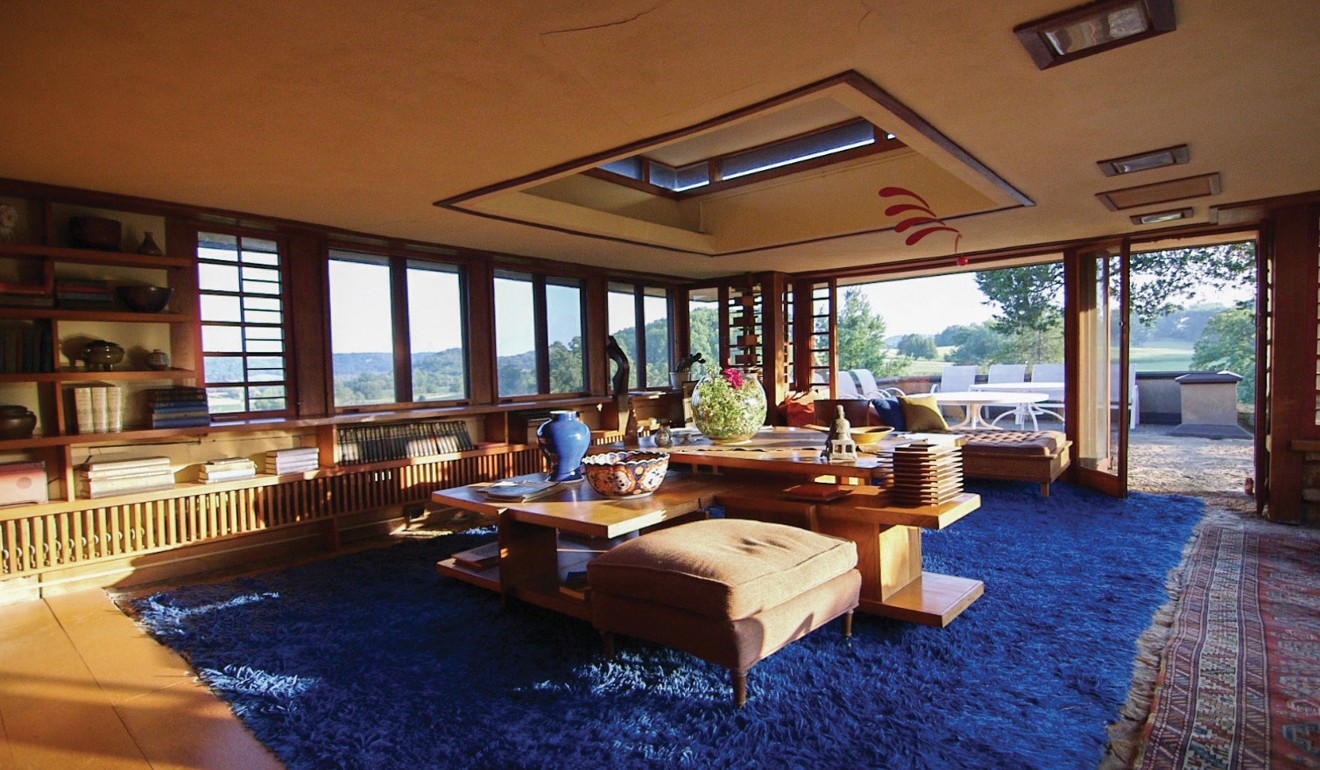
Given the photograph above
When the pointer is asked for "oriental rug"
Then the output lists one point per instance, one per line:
(372, 660)
(1239, 683)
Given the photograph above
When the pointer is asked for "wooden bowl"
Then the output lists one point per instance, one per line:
(145, 299)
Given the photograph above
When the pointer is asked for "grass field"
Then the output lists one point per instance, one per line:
(1156, 355)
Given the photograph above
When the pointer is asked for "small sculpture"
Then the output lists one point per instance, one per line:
(101, 356)
(842, 447)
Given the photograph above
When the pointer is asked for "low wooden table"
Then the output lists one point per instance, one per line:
(532, 556)
(750, 483)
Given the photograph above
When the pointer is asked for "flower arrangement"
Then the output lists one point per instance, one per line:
(728, 407)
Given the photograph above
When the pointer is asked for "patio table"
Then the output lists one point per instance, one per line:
(1053, 391)
(973, 400)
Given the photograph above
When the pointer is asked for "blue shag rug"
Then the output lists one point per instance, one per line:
(373, 660)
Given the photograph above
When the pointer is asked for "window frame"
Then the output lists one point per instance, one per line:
(639, 295)
(399, 263)
(289, 382)
(541, 331)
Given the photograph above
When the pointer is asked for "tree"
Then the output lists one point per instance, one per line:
(918, 346)
(1229, 343)
(953, 335)
(861, 338)
(981, 345)
(1030, 299)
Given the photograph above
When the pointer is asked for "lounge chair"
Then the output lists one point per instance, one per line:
(844, 387)
(1053, 403)
(956, 378)
(1007, 373)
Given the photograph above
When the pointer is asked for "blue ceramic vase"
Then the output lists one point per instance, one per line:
(564, 440)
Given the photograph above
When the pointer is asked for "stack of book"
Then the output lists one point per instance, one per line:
(119, 477)
(26, 299)
(282, 461)
(26, 347)
(178, 407)
(84, 294)
(227, 469)
(478, 559)
(98, 407)
(926, 474)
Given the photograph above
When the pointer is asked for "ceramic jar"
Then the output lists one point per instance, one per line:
(728, 407)
(158, 360)
(564, 439)
(16, 422)
(101, 356)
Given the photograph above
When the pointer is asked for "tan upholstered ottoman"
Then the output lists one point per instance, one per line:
(729, 591)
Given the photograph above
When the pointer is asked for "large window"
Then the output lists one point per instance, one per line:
(375, 302)
(639, 322)
(241, 301)
(538, 335)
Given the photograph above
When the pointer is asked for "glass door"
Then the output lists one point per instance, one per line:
(1100, 369)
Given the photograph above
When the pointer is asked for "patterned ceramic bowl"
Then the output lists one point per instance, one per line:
(626, 474)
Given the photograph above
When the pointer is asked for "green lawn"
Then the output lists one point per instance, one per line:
(1156, 355)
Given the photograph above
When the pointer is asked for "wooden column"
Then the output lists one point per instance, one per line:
(1293, 355)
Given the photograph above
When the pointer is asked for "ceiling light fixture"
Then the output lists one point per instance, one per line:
(1160, 192)
(1093, 28)
(1144, 161)
(1160, 217)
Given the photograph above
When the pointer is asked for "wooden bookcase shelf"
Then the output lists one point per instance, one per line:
(82, 375)
(108, 316)
(90, 256)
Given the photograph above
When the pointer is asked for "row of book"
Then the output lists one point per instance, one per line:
(98, 407)
(84, 294)
(298, 460)
(100, 478)
(26, 348)
(226, 469)
(358, 444)
(178, 407)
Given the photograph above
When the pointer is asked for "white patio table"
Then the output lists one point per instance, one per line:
(973, 400)
(1052, 391)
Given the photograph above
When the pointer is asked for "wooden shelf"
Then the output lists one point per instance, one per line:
(113, 316)
(82, 375)
(92, 257)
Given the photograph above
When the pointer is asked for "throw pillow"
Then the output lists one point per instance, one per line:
(922, 414)
(890, 411)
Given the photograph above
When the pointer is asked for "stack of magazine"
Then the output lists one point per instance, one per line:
(227, 469)
(118, 477)
(297, 460)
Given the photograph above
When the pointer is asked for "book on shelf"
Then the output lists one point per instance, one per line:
(480, 558)
(519, 490)
(98, 408)
(126, 463)
(118, 486)
(223, 463)
(233, 474)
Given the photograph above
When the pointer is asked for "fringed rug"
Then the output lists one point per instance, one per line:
(1240, 680)
(373, 660)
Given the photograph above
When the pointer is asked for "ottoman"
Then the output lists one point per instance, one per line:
(729, 591)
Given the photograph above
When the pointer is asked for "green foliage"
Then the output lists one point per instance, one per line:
(918, 346)
(1229, 343)
(1030, 299)
(952, 335)
(861, 338)
(1160, 276)
(704, 335)
(981, 345)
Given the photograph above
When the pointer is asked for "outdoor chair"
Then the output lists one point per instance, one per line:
(869, 389)
(1053, 403)
(955, 379)
(1007, 373)
(844, 387)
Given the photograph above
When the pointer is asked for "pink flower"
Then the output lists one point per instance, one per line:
(734, 377)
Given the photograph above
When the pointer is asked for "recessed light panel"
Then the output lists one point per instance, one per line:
(1092, 28)
(1161, 217)
(1144, 161)
(1160, 192)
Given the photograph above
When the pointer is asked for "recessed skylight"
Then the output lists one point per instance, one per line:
(1160, 192)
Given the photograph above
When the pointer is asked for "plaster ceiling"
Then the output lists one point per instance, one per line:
(361, 115)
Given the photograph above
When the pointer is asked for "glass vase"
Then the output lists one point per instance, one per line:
(728, 407)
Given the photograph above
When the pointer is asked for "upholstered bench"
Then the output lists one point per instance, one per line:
(1039, 456)
(731, 592)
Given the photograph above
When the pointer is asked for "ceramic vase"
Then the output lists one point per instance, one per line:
(16, 422)
(564, 440)
(149, 246)
(728, 407)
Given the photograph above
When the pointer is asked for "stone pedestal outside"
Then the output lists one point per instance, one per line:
(1209, 405)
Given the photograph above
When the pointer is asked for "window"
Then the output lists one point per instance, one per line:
(368, 317)
(538, 335)
(241, 299)
(704, 326)
(639, 322)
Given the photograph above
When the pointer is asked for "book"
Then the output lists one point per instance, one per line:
(114, 409)
(479, 558)
(82, 405)
(122, 463)
(229, 462)
(520, 490)
(211, 477)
